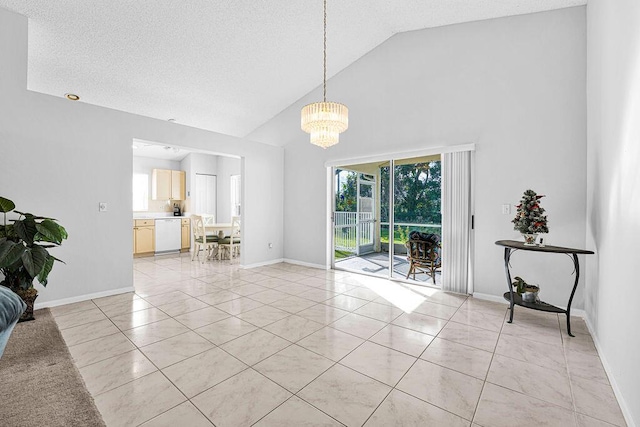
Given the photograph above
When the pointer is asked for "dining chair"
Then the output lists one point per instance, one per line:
(231, 244)
(201, 240)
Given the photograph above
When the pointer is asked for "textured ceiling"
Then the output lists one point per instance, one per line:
(156, 151)
(225, 66)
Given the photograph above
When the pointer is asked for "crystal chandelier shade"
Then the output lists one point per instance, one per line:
(325, 121)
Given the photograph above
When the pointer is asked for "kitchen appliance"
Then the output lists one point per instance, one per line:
(168, 235)
(176, 210)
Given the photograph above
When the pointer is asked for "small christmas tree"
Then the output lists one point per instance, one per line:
(530, 217)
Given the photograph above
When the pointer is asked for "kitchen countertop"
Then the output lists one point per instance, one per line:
(156, 215)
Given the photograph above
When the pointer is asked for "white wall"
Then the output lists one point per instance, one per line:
(514, 86)
(227, 166)
(60, 158)
(613, 208)
(148, 164)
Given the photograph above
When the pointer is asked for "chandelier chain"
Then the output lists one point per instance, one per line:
(324, 121)
(324, 78)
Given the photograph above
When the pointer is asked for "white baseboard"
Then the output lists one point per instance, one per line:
(306, 264)
(262, 264)
(624, 406)
(80, 298)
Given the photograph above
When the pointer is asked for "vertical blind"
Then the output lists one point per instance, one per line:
(456, 221)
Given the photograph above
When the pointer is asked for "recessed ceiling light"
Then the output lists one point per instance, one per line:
(72, 96)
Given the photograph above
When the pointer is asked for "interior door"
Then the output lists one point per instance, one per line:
(205, 194)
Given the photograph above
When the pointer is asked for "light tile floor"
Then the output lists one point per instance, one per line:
(285, 345)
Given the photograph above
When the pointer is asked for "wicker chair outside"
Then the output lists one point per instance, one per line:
(424, 257)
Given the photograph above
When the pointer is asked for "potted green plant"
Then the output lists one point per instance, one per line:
(530, 218)
(23, 252)
(529, 292)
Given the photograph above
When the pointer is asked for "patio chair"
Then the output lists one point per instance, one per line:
(423, 254)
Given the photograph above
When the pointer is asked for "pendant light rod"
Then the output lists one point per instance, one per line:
(324, 121)
(324, 77)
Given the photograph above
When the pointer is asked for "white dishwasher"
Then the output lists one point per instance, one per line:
(168, 235)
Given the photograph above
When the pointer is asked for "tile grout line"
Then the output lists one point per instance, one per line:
(291, 343)
(484, 383)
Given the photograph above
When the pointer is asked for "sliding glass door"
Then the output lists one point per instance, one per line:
(376, 206)
(417, 201)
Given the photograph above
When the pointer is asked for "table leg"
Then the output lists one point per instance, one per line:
(507, 255)
(576, 266)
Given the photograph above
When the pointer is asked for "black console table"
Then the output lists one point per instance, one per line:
(514, 298)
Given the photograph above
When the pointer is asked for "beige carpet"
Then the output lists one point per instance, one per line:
(39, 384)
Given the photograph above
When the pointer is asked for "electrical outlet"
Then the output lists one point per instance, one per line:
(506, 209)
(102, 207)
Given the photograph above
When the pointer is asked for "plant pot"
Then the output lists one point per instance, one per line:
(29, 297)
(530, 239)
(530, 294)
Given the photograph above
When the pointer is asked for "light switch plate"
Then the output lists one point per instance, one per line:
(102, 207)
(506, 209)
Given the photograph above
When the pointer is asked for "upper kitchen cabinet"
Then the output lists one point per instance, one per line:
(168, 184)
(161, 184)
(178, 184)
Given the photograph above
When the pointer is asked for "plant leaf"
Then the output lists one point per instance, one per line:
(10, 252)
(57, 259)
(44, 273)
(50, 231)
(34, 259)
(26, 229)
(6, 205)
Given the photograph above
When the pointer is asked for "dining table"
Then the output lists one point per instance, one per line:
(225, 227)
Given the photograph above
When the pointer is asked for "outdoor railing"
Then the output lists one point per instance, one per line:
(346, 232)
(413, 225)
(344, 218)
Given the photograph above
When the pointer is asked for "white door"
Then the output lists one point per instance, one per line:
(366, 213)
(205, 202)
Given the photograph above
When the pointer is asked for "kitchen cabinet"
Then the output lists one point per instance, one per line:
(178, 184)
(168, 185)
(144, 236)
(186, 234)
(161, 184)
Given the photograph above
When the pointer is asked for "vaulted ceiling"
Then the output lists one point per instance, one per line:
(225, 66)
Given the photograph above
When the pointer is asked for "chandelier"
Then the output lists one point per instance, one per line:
(325, 121)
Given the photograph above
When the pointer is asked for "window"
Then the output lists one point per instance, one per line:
(236, 192)
(140, 192)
